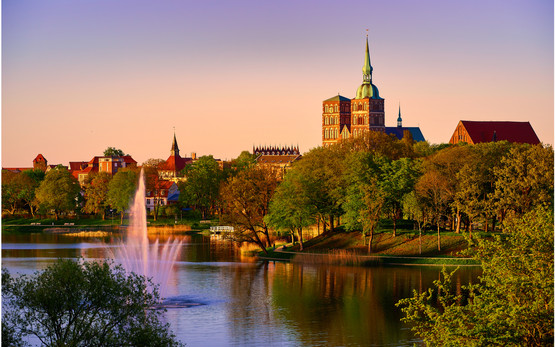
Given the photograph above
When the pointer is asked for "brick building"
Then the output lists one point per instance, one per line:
(490, 131)
(344, 118)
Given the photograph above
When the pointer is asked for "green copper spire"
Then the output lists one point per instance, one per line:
(367, 89)
(367, 68)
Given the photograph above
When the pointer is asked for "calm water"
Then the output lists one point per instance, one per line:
(248, 303)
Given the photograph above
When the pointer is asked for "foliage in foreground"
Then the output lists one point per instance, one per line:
(513, 303)
(82, 304)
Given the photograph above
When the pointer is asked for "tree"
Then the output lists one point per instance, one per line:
(433, 191)
(290, 208)
(246, 198)
(121, 190)
(113, 152)
(58, 191)
(418, 211)
(365, 198)
(524, 178)
(513, 303)
(10, 192)
(83, 304)
(96, 193)
(202, 188)
(30, 181)
(321, 178)
(398, 178)
(244, 161)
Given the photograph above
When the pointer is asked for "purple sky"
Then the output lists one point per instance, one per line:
(79, 76)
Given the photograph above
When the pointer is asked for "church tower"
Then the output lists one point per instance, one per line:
(367, 107)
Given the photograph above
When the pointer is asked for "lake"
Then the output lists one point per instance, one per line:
(243, 302)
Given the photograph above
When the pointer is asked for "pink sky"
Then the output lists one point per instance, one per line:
(80, 76)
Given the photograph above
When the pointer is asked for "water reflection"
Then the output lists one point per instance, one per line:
(262, 303)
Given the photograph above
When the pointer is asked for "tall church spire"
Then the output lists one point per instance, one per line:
(367, 89)
(175, 148)
(367, 67)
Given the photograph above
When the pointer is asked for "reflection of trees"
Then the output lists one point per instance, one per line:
(250, 308)
(347, 305)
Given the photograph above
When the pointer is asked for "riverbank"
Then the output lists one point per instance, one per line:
(349, 248)
(48, 225)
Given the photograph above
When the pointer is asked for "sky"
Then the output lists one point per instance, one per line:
(81, 76)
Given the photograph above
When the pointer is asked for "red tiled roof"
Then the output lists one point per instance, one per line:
(520, 132)
(39, 157)
(175, 163)
(128, 160)
(77, 165)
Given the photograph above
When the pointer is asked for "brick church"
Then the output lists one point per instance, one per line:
(344, 118)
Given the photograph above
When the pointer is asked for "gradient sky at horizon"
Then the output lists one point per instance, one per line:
(80, 76)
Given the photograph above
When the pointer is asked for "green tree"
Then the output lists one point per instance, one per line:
(321, 172)
(121, 190)
(113, 152)
(432, 190)
(364, 199)
(398, 178)
(513, 303)
(417, 210)
(202, 188)
(10, 192)
(246, 199)
(31, 180)
(96, 194)
(59, 191)
(244, 161)
(476, 182)
(524, 178)
(83, 304)
(290, 208)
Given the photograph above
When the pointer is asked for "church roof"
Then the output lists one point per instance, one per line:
(399, 132)
(520, 132)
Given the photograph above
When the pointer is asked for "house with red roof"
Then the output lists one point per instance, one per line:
(490, 131)
(171, 168)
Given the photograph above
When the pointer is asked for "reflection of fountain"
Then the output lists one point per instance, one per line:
(137, 255)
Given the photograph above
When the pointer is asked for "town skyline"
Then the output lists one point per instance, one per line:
(80, 77)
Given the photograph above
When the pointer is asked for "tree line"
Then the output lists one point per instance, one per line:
(359, 182)
(355, 184)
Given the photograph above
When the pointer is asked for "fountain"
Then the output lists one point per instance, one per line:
(136, 254)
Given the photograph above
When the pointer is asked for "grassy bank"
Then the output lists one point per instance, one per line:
(350, 248)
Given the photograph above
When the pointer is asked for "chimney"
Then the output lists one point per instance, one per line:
(194, 155)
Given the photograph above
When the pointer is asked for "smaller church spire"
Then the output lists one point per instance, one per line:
(175, 147)
(399, 119)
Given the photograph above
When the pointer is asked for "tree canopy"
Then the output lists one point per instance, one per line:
(121, 190)
(513, 303)
(82, 304)
(113, 152)
(58, 191)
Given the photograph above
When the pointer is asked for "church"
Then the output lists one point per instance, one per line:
(344, 118)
